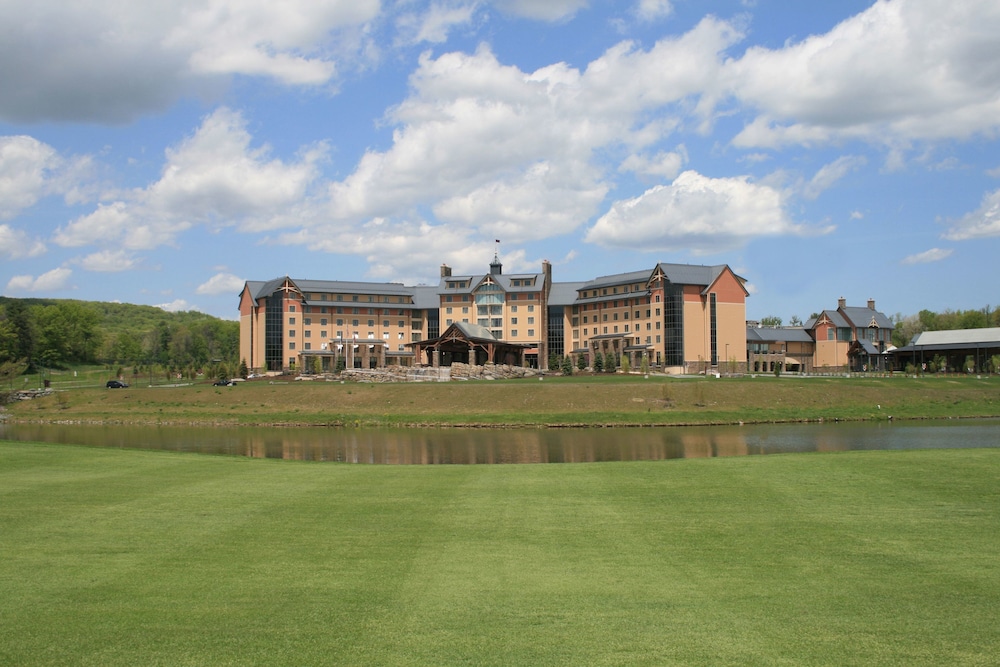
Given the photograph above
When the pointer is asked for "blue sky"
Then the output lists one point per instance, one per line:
(163, 152)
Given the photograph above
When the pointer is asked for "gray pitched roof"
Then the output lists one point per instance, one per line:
(778, 335)
(564, 294)
(262, 289)
(864, 317)
(958, 337)
(474, 330)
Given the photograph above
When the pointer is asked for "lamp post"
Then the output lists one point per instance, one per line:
(729, 369)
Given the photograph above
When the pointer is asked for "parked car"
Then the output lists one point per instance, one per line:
(115, 384)
(223, 383)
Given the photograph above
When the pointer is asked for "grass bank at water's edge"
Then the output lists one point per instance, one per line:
(573, 401)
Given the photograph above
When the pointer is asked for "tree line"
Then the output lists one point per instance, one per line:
(58, 333)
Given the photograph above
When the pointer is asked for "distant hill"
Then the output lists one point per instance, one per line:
(61, 331)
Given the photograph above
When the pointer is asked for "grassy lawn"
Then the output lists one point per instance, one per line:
(114, 557)
(577, 400)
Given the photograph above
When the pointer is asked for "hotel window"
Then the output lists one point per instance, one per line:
(308, 346)
(513, 333)
(291, 309)
(340, 334)
(616, 328)
(385, 335)
(513, 309)
(371, 323)
(400, 335)
(447, 298)
(307, 321)
(308, 333)
(291, 320)
(604, 317)
(626, 328)
(585, 331)
(531, 333)
(531, 320)
(354, 323)
(354, 297)
(447, 310)
(605, 330)
(322, 334)
(291, 333)
(340, 323)
(400, 324)
(513, 320)
(371, 334)
(323, 322)
(465, 310)
(291, 346)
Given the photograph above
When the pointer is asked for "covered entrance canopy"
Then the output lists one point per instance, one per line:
(467, 343)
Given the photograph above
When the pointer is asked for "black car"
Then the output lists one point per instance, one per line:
(115, 384)
(224, 383)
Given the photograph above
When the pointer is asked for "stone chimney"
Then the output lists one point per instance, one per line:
(445, 271)
(841, 302)
(871, 304)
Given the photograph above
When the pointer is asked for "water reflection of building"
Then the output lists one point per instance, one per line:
(495, 446)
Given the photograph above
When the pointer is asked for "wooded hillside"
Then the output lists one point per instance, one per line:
(55, 333)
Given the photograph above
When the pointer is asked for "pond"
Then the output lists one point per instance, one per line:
(514, 445)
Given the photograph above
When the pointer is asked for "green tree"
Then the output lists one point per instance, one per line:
(567, 366)
(581, 362)
(770, 321)
(625, 365)
(598, 363)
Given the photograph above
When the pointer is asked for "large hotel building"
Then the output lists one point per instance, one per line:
(679, 318)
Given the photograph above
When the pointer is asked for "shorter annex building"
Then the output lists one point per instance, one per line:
(850, 338)
(956, 350)
(771, 349)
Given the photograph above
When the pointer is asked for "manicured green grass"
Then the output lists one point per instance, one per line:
(111, 557)
(577, 401)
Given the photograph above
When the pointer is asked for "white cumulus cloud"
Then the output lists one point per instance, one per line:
(221, 283)
(15, 243)
(50, 281)
(900, 71)
(109, 61)
(982, 223)
(698, 213)
(213, 178)
(928, 256)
